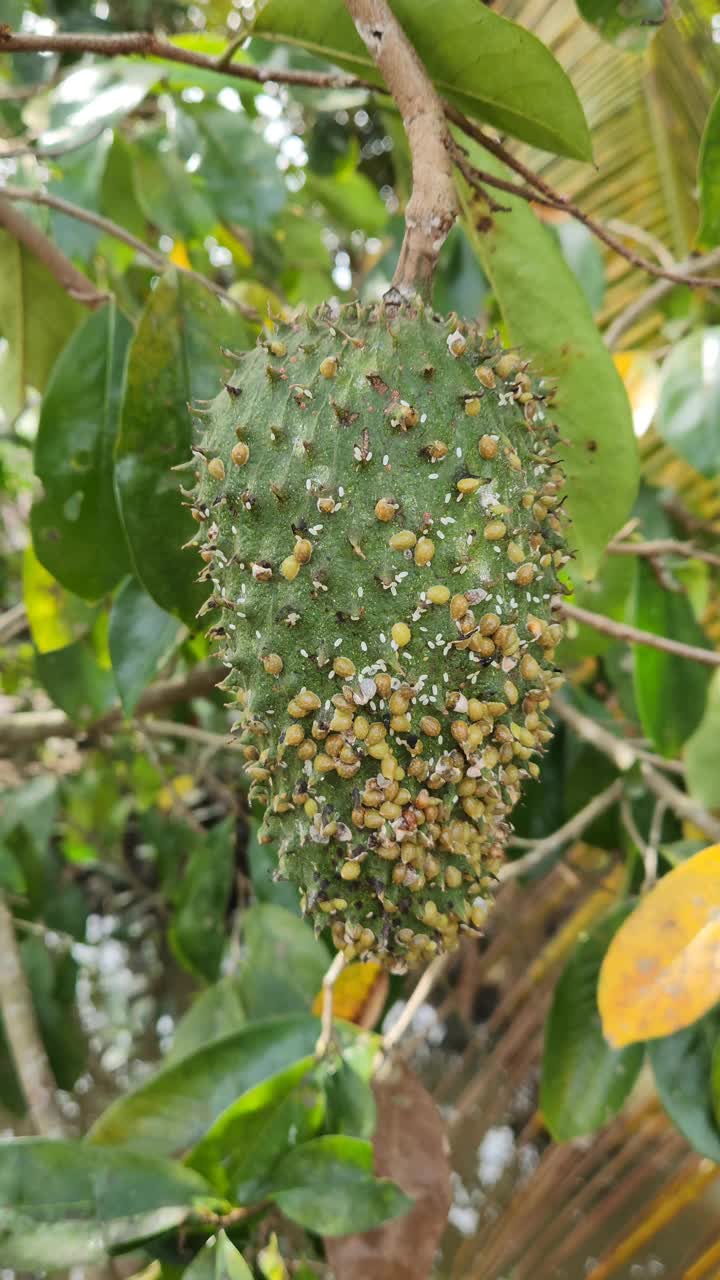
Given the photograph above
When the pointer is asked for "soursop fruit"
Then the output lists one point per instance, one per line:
(380, 520)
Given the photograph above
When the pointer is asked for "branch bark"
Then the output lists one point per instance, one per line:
(79, 288)
(633, 635)
(663, 547)
(433, 205)
(570, 830)
(23, 1036)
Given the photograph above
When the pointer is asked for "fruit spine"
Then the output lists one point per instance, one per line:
(380, 520)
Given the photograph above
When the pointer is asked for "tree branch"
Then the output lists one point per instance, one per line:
(647, 300)
(23, 1036)
(680, 803)
(79, 288)
(623, 753)
(663, 547)
(433, 205)
(632, 635)
(113, 229)
(570, 830)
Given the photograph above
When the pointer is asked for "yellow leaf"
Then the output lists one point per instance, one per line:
(181, 788)
(179, 256)
(662, 971)
(359, 993)
(641, 376)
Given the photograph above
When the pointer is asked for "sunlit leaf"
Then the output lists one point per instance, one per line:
(56, 616)
(709, 179)
(93, 96)
(218, 1260)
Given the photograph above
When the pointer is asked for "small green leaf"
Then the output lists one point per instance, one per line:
(174, 358)
(689, 399)
(631, 24)
(669, 691)
(76, 529)
(142, 636)
(486, 65)
(327, 1185)
(548, 317)
(196, 934)
(709, 179)
(218, 1260)
(65, 1203)
(284, 964)
(702, 752)
(683, 1068)
(173, 1109)
(93, 96)
(214, 1013)
(584, 1081)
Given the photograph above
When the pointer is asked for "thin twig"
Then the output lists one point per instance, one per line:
(156, 259)
(653, 845)
(656, 292)
(175, 729)
(75, 284)
(418, 996)
(569, 831)
(13, 623)
(623, 754)
(328, 991)
(633, 635)
(663, 547)
(23, 1035)
(680, 803)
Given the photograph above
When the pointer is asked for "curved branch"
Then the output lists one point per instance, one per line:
(75, 284)
(632, 635)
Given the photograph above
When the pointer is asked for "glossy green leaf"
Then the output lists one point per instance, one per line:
(172, 1110)
(76, 528)
(702, 752)
(548, 317)
(486, 65)
(689, 399)
(669, 691)
(584, 1081)
(683, 1068)
(218, 1260)
(174, 358)
(141, 638)
(196, 933)
(628, 23)
(284, 963)
(216, 1012)
(709, 179)
(37, 317)
(327, 1185)
(65, 1203)
(76, 681)
(92, 96)
(239, 169)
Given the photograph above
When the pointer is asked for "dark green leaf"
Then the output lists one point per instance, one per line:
(93, 96)
(628, 23)
(64, 1203)
(584, 1081)
(682, 1065)
(76, 529)
(486, 65)
(214, 1013)
(327, 1185)
(173, 1109)
(669, 691)
(218, 1260)
(141, 638)
(263, 861)
(197, 935)
(709, 179)
(702, 753)
(350, 1099)
(547, 315)
(689, 401)
(76, 681)
(174, 358)
(284, 963)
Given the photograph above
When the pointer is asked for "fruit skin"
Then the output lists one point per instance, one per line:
(391, 689)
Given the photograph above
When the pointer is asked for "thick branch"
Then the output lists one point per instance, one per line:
(632, 635)
(433, 207)
(23, 1036)
(72, 281)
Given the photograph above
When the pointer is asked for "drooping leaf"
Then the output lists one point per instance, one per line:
(669, 691)
(488, 66)
(548, 317)
(284, 962)
(327, 1185)
(214, 1013)
(141, 637)
(702, 753)
(628, 23)
(196, 933)
(689, 400)
(65, 1203)
(93, 96)
(173, 1109)
(584, 1080)
(174, 358)
(660, 972)
(76, 529)
(709, 179)
(683, 1068)
(218, 1260)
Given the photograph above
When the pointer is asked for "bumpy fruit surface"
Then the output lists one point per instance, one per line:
(379, 512)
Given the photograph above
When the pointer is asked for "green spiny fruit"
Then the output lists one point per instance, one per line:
(379, 515)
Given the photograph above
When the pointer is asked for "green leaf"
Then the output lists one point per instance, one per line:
(169, 196)
(56, 617)
(631, 24)
(584, 1081)
(702, 752)
(683, 1068)
(350, 199)
(548, 317)
(689, 399)
(172, 1110)
(284, 964)
(94, 96)
(327, 1185)
(582, 254)
(141, 638)
(36, 319)
(709, 179)
(607, 593)
(239, 169)
(350, 1099)
(262, 861)
(76, 681)
(218, 1260)
(174, 358)
(196, 934)
(76, 529)
(669, 691)
(214, 1013)
(80, 182)
(488, 66)
(65, 1203)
